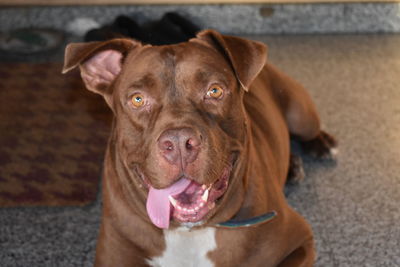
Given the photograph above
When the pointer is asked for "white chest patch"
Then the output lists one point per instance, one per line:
(187, 248)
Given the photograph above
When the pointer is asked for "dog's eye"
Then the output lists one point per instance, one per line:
(215, 92)
(137, 100)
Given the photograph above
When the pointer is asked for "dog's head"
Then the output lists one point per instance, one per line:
(180, 124)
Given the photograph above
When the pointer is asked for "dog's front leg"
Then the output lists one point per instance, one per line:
(303, 256)
(114, 250)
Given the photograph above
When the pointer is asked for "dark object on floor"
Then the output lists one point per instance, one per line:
(172, 28)
(53, 134)
(23, 43)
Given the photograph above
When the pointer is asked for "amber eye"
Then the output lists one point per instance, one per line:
(137, 100)
(215, 91)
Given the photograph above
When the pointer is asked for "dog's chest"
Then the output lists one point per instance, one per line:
(187, 248)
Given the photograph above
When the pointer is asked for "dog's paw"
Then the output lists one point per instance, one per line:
(296, 171)
(324, 146)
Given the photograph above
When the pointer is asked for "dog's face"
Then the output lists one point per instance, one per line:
(180, 124)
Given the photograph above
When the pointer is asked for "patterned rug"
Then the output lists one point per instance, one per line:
(53, 134)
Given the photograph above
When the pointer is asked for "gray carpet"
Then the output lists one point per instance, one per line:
(353, 205)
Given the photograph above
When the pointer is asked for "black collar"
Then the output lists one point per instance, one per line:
(254, 221)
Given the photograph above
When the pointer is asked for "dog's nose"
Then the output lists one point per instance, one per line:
(179, 146)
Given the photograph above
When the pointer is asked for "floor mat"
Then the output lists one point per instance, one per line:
(53, 135)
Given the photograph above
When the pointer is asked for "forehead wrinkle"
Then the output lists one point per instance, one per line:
(169, 58)
(146, 81)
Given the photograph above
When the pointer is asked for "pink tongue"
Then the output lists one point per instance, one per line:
(158, 206)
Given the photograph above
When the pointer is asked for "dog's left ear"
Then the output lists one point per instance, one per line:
(247, 57)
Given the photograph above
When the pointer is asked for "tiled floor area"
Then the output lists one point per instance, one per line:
(353, 204)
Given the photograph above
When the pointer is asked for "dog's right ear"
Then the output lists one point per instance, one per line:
(99, 62)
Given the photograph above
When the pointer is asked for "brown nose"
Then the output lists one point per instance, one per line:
(179, 146)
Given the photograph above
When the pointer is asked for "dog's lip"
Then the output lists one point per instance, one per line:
(147, 184)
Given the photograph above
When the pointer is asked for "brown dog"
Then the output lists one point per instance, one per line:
(200, 137)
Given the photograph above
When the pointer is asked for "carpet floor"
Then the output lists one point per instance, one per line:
(352, 205)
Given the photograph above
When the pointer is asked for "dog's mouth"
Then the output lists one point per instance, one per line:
(186, 201)
(197, 200)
